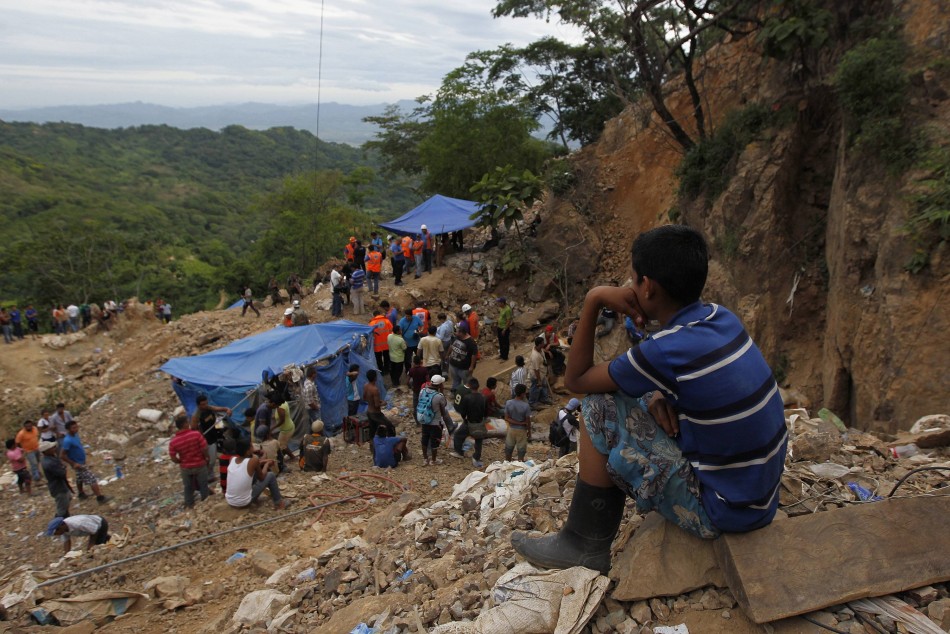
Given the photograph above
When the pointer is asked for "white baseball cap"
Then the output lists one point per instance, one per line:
(466, 308)
(424, 227)
(437, 379)
(289, 311)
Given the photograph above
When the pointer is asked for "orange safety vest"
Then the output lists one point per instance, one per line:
(288, 321)
(406, 247)
(424, 314)
(348, 251)
(417, 246)
(473, 324)
(374, 261)
(427, 236)
(383, 328)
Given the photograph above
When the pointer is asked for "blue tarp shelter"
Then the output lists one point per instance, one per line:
(440, 214)
(238, 304)
(230, 374)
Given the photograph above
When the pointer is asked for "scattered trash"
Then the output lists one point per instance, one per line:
(42, 617)
(98, 607)
(238, 556)
(863, 494)
(828, 416)
(405, 575)
(362, 628)
(671, 629)
(829, 470)
(307, 575)
(905, 451)
(151, 415)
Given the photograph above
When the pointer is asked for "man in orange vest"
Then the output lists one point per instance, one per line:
(349, 251)
(418, 245)
(374, 264)
(472, 318)
(406, 253)
(423, 313)
(428, 248)
(382, 329)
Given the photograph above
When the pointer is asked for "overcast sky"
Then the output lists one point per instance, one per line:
(205, 52)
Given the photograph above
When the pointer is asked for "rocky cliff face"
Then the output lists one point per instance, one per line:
(807, 238)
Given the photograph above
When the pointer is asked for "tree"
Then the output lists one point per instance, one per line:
(570, 85)
(505, 196)
(466, 130)
(664, 37)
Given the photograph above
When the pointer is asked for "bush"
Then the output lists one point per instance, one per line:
(708, 166)
(929, 223)
(872, 85)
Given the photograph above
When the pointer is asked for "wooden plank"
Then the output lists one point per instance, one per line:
(806, 563)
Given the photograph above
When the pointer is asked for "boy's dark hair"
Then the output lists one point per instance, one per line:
(241, 446)
(491, 383)
(180, 421)
(353, 368)
(381, 431)
(202, 398)
(397, 330)
(432, 330)
(60, 405)
(674, 256)
(473, 383)
(417, 360)
(72, 423)
(371, 376)
(11, 443)
(520, 389)
(384, 303)
(539, 341)
(250, 413)
(519, 361)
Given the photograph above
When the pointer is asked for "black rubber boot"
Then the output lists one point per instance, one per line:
(585, 540)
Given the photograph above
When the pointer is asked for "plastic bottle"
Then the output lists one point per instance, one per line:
(118, 472)
(905, 451)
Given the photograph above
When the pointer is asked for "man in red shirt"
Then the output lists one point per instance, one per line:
(189, 450)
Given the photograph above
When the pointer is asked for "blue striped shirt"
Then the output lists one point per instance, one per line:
(357, 279)
(732, 422)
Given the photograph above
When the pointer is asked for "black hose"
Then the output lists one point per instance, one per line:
(910, 473)
(823, 626)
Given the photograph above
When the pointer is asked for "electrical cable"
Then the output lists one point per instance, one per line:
(197, 540)
(912, 472)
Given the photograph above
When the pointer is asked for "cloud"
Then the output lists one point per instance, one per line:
(197, 52)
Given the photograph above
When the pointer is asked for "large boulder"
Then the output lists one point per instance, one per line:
(535, 316)
(662, 559)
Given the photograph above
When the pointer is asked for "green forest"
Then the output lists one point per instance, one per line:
(92, 214)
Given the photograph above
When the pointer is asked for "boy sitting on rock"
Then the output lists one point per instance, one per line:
(689, 423)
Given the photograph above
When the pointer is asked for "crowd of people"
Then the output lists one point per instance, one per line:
(16, 324)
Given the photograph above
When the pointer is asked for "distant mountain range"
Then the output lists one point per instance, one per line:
(340, 123)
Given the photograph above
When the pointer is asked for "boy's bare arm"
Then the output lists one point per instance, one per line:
(582, 376)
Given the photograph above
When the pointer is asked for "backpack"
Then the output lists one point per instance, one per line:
(556, 434)
(424, 413)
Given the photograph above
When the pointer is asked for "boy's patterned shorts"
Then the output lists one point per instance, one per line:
(85, 476)
(646, 463)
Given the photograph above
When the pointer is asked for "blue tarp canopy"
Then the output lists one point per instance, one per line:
(242, 362)
(440, 214)
(228, 375)
(238, 304)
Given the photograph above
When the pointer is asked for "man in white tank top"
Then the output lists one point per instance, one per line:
(248, 476)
